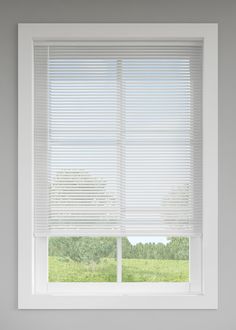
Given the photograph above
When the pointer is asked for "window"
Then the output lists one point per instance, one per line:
(117, 166)
(110, 259)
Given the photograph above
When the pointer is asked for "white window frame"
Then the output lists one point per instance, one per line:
(33, 290)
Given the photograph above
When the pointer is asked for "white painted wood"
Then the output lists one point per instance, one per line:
(119, 259)
(110, 289)
(25, 170)
(41, 266)
(210, 165)
(195, 264)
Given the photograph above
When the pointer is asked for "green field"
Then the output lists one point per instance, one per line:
(134, 270)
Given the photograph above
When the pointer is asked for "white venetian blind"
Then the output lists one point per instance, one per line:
(117, 138)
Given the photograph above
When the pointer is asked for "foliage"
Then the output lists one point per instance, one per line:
(78, 180)
(92, 249)
(151, 270)
(176, 249)
(61, 270)
(85, 192)
(134, 270)
(86, 249)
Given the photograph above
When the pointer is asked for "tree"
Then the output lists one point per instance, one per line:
(178, 248)
(127, 248)
(92, 249)
(180, 196)
(86, 193)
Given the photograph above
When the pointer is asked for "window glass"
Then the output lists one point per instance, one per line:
(94, 259)
(82, 259)
(155, 259)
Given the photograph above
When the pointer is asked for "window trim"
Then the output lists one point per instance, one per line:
(27, 299)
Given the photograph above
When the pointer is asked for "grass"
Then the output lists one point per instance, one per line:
(151, 270)
(134, 270)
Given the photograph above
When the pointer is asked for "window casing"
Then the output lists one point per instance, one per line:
(38, 244)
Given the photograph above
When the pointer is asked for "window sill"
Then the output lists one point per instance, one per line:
(121, 301)
(118, 296)
(119, 289)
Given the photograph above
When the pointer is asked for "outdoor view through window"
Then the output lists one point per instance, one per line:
(144, 259)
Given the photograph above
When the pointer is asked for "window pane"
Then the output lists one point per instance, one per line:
(155, 259)
(82, 259)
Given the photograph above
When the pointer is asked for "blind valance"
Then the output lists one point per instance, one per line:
(118, 138)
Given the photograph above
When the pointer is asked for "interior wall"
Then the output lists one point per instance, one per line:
(176, 11)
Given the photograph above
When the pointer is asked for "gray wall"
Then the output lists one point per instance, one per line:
(15, 11)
